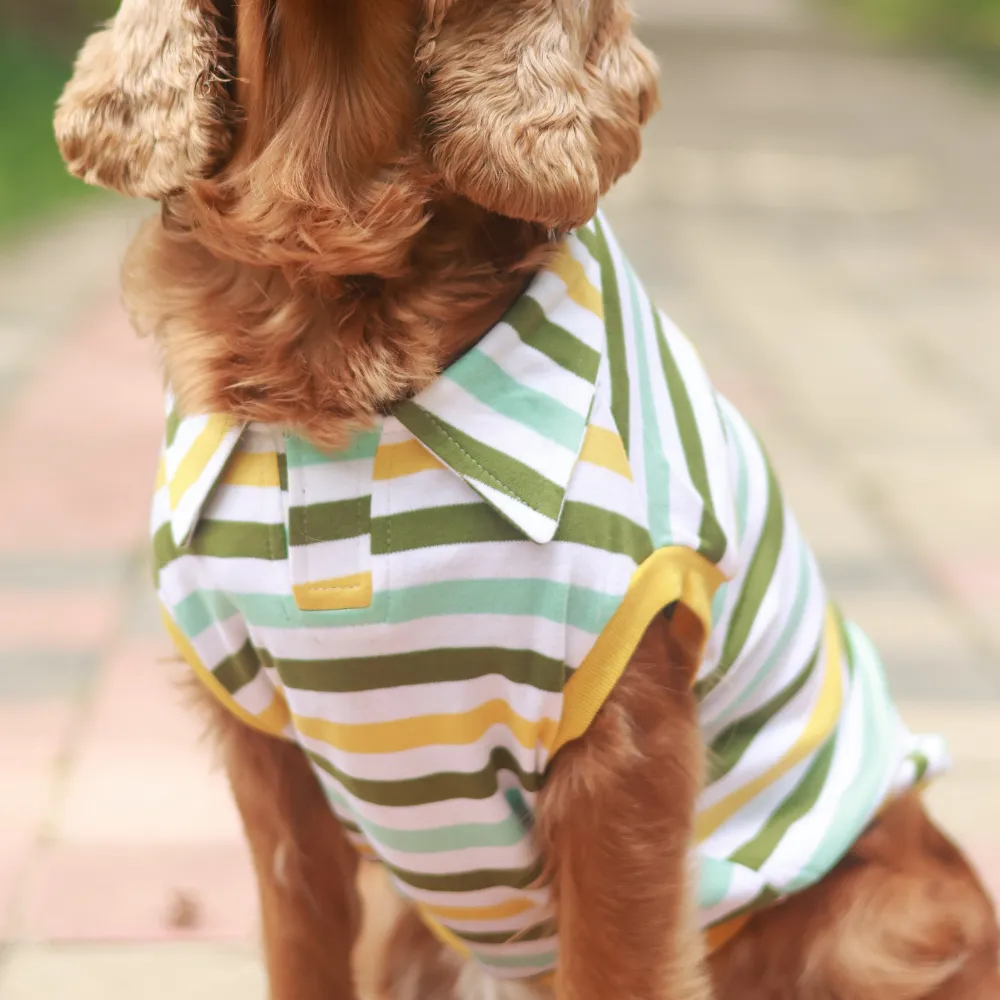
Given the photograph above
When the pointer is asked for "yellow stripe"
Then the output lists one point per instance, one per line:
(161, 475)
(247, 468)
(334, 595)
(271, 721)
(581, 291)
(398, 735)
(393, 461)
(197, 457)
(819, 727)
(604, 448)
(500, 911)
(668, 575)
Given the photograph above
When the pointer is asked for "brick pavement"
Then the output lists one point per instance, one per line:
(807, 210)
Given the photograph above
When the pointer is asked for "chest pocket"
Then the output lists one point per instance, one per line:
(329, 523)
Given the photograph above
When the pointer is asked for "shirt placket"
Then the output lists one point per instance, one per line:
(329, 524)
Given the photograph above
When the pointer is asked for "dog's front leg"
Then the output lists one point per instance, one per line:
(306, 868)
(615, 820)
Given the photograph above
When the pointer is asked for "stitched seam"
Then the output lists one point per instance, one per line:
(503, 489)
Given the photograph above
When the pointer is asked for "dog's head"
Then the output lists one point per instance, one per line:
(291, 118)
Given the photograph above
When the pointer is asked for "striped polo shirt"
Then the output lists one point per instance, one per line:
(434, 611)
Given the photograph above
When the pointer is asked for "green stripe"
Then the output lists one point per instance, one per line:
(473, 881)
(596, 242)
(754, 853)
(472, 523)
(519, 666)
(713, 540)
(531, 324)
(758, 579)
(730, 745)
(173, 422)
(481, 377)
(458, 524)
(239, 540)
(301, 453)
(238, 670)
(920, 764)
(584, 524)
(283, 471)
(540, 932)
(438, 787)
(329, 522)
(164, 549)
(473, 459)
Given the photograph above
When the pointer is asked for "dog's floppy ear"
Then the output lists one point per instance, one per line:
(534, 107)
(146, 112)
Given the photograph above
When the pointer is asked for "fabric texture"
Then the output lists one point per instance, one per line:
(432, 613)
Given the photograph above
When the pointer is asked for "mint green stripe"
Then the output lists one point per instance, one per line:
(712, 539)
(535, 329)
(482, 463)
(482, 377)
(544, 961)
(203, 608)
(657, 473)
(580, 607)
(714, 879)
(301, 453)
(861, 799)
(507, 833)
(595, 240)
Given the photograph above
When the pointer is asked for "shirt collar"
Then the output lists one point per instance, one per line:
(509, 416)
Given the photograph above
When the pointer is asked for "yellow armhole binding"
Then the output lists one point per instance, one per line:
(668, 575)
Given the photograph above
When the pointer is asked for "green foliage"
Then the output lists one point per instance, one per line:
(38, 41)
(969, 27)
(33, 179)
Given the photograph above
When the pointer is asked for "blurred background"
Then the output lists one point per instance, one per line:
(818, 207)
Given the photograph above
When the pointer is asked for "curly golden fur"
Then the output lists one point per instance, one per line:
(353, 192)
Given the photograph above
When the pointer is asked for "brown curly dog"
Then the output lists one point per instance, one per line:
(353, 192)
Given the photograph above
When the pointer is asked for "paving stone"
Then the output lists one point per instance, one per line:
(148, 893)
(166, 972)
(57, 620)
(32, 673)
(143, 771)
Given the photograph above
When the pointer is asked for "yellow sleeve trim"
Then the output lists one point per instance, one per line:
(271, 721)
(668, 575)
